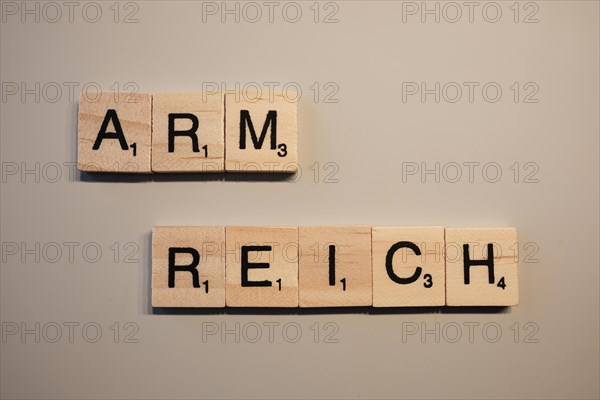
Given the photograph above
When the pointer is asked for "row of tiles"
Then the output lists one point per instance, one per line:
(187, 132)
(333, 266)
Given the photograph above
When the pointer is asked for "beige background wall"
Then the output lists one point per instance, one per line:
(356, 155)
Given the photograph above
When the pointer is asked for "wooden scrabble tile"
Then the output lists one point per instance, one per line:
(408, 266)
(481, 267)
(114, 133)
(335, 266)
(188, 266)
(261, 135)
(262, 267)
(188, 132)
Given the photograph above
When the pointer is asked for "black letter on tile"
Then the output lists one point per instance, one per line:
(271, 121)
(118, 134)
(191, 133)
(331, 265)
(390, 268)
(247, 265)
(190, 268)
(489, 262)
